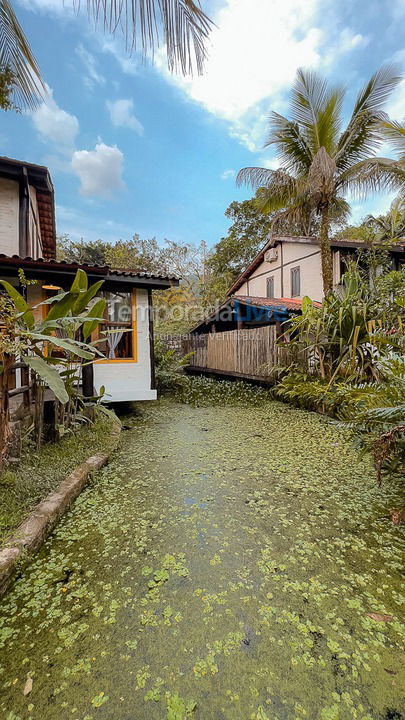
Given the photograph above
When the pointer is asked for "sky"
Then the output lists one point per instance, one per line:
(134, 149)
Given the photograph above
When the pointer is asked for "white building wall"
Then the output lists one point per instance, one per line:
(305, 256)
(9, 217)
(128, 381)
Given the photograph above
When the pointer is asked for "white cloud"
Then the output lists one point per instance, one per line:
(227, 174)
(99, 170)
(348, 40)
(253, 56)
(121, 114)
(127, 63)
(55, 6)
(254, 52)
(55, 125)
(93, 76)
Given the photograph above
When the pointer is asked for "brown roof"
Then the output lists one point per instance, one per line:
(277, 239)
(40, 267)
(288, 303)
(38, 176)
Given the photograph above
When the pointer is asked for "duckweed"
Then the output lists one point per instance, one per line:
(230, 574)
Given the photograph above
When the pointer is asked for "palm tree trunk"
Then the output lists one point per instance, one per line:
(326, 252)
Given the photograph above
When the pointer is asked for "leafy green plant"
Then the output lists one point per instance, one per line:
(169, 366)
(345, 336)
(71, 316)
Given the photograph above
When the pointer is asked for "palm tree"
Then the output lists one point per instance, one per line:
(182, 25)
(320, 163)
(391, 226)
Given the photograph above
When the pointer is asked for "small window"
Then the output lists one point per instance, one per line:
(118, 320)
(295, 282)
(270, 287)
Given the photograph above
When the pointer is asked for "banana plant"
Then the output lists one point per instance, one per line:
(72, 315)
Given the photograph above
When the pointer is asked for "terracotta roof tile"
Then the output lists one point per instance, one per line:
(288, 303)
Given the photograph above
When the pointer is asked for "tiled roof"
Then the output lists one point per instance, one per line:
(288, 303)
(61, 265)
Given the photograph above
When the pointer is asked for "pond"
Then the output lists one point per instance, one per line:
(229, 563)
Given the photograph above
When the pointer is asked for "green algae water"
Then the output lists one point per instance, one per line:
(223, 566)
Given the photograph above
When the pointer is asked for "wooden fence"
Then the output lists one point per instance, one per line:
(245, 353)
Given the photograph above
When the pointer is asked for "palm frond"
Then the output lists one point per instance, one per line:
(291, 146)
(298, 213)
(376, 92)
(275, 188)
(362, 136)
(183, 24)
(372, 175)
(317, 108)
(394, 132)
(17, 57)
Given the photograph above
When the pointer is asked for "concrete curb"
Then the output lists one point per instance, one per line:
(30, 535)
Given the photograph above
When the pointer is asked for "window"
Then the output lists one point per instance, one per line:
(270, 287)
(295, 282)
(120, 342)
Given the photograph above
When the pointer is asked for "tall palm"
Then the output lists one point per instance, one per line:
(320, 162)
(180, 24)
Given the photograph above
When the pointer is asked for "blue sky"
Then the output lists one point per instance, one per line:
(133, 149)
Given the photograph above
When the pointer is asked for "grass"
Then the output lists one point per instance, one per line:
(40, 472)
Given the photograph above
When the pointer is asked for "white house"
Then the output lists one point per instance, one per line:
(28, 241)
(290, 268)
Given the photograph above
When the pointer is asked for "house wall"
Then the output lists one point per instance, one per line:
(306, 256)
(126, 380)
(9, 216)
(10, 220)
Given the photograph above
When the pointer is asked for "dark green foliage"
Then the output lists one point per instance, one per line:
(7, 81)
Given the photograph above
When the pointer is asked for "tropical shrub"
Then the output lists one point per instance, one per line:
(72, 315)
(169, 366)
(346, 335)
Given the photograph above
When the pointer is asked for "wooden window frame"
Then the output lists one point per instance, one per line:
(134, 358)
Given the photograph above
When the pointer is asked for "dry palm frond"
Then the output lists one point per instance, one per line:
(17, 57)
(182, 23)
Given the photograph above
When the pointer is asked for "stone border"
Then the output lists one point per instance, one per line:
(30, 535)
